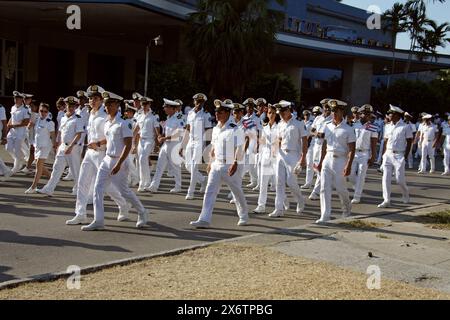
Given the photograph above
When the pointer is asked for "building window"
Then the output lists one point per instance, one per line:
(11, 67)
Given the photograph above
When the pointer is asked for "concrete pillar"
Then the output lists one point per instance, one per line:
(357, 82)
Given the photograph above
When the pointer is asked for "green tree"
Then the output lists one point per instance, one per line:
(273, 87)
(230, 41)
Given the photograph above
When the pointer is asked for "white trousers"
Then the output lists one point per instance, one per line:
(268, 170)
(15, 149)
(317, 154)
(393, 162)
(251, 166)
(359, 172)
(194, 154)
(168, 155)
(218, 175)
(380, 151)
(86, 180)
(73, 160)
(427, 151)
(446, 158)
(144, 151)
(118, 181)
(332, 176)
(309, 166)
(285, 166)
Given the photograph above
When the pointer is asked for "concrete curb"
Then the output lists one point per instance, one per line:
(97, 267)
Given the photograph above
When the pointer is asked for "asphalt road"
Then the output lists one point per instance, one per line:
(35, 240)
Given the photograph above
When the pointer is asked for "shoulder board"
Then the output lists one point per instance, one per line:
(78, 116)
(327, 122)
(48, 120)
(180, 116)
(232, 125)
(130, 126)
(29, 113)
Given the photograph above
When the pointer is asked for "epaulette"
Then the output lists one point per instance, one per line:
(48, 120)
(134, 120)
(78, 116)
(180, 116)
(232, 125)
(327, 122)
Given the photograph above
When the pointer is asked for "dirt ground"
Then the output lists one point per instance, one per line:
(225, 271)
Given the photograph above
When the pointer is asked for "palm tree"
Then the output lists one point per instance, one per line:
(395, 23)
(231, 40)
(434, 38)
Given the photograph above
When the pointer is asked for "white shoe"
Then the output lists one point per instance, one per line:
(420, 172)
(243, 222)
(384, 204)
(276, 214)
(322, 220)
(256, 188)
(356, 201)
(300, 207)
(431, 171)
(405, 199)
(94, 226)
(74, 192)
(445, 173)
(305, 186)
(199, 224)
(25, 170)
(44, 191)
(190, 197)
(152, 189)
(140, 189)
(30, 190)
(204, 184)
(251, 185)
(124, 214)
(77, 220)
(260, 209)
(175, 190)
(230, 195)
(232, 201)
(286, 204)
(314, 196)
(142, 219)
(69, 177)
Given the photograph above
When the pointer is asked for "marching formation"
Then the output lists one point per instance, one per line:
(107, 150)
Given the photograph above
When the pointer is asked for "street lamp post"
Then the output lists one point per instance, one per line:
(158, 42)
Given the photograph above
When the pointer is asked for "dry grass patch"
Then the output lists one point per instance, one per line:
(362, 224)
(436, 220)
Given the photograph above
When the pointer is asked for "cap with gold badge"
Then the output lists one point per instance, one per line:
(367, 108)
(335, 104)
(71, 100)
(261, 101)
(94, 90)
(200, 96)
(394, 109)
(170, 103)
(249, 101)
(111, 97)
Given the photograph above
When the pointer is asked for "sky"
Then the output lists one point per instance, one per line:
(436, 11)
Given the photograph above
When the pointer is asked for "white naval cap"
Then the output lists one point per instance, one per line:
(137, 96)
(334, 103)
(27, 95)
(170, 103)
(367, 108)
(284, 104)
(179, 102)
(145, 99)
(71, 100)
(94, 90)
(238, 106)
(18, 94)
(223, 104)
(394, 109)
(200, 96)
(248, 101)
(427, 116)
(407, 115)
(228, 101)
(81, 93)
(260, 101)
(129, 105)
(109, 96)
(324, 101)
(317, 109)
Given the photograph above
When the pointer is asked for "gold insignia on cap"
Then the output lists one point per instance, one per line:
(105, 95)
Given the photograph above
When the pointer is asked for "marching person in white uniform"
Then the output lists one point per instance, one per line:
(293, 146)
(252, 125)
(169, 152)
(198, 121)
(408, 121)
(44, 142)
(309, 120)
(17, 125)
(4, 170)
(445, 139)
(68, 152)
(398, 141)
(366, 150)
(338, 152)
(113, 169)
(428, 141)
(318, 123)
(95, 153)
(268, 151)
(226, 165)
(146, 131)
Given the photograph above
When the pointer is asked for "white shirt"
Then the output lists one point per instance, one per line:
(291, 134)
(59, 117)
(255, 119)
(18, 114)
(116, 131)
(428, 132)
(43, 128)
(364, 135)
(198, 122)
(69, 127)
(174, 125)
(147, 124)
(338, 137)
(270, 138)
(96, 126)
(397, 136)
(2, 117)
(84, 114)
(225, 140)
(446, 133)
(318, 123)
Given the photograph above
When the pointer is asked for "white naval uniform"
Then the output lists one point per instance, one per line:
(446, 146)
(69, 128)
(338, 137)
(290, 136)
(169, 153)
(310, 155)
(198, 123)
(90, 165)
(363, 152)
(84, 115)
(251, 131)
(42, 140)
(428, 134)
(394, 158)
(147, 124)
(268, 159)
(318, 124)
(16, 136)
(115, 131)
(34, 116)
(3, 167)
(419, 144)
(224, 141)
